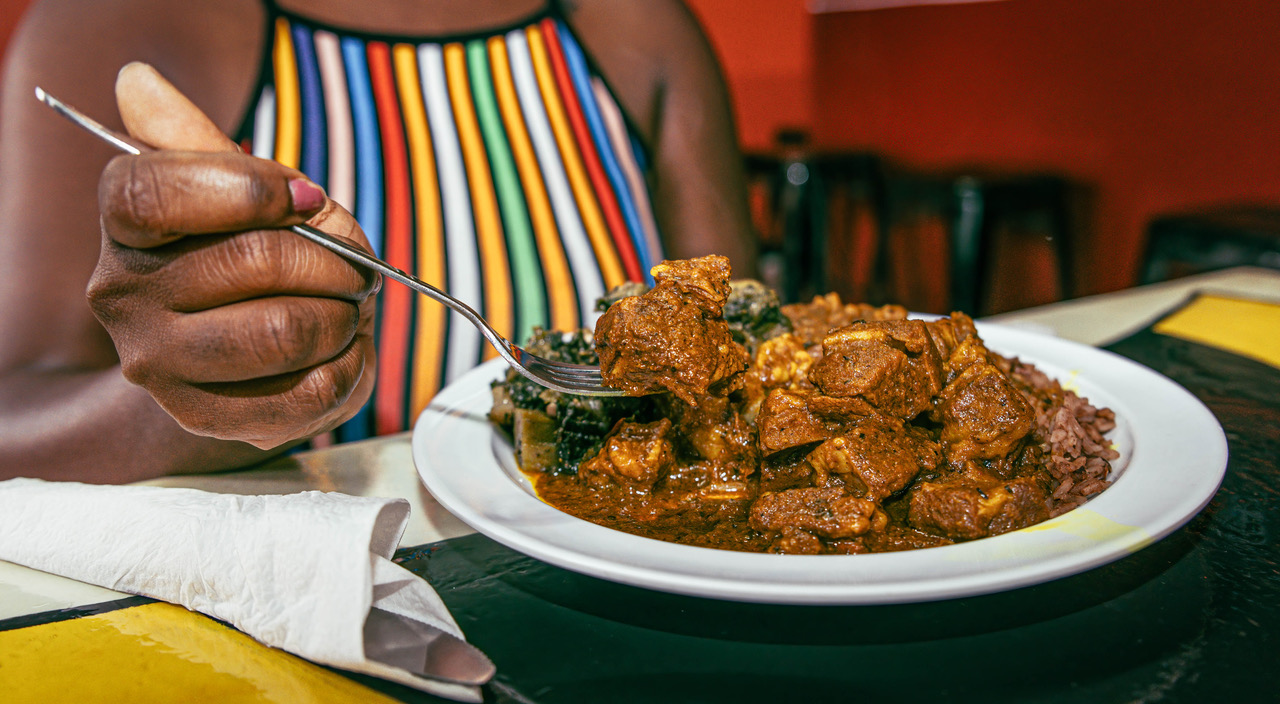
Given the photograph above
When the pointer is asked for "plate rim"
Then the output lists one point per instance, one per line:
(1077, 541)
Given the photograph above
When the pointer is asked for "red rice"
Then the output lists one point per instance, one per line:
(1069, 433)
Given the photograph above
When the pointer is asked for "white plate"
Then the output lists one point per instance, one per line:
(1173, 456)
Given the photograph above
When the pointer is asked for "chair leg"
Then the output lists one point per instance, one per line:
(968, 225)
(1060, 233)
(818, 236)
(880, 287)
(1156, 258)
(791, 208)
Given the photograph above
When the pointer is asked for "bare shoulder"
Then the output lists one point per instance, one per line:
(209, 48)
(643, 15)
(657, 32)
(643, 47)
(48, 206)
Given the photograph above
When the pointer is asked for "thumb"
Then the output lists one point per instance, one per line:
(160, 115)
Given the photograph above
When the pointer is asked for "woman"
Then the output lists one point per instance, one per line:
(212, 339)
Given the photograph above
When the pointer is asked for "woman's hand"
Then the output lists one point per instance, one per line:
(239, 329)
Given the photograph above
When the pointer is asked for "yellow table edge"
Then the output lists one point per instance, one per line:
(158, 652)
(1249, 328)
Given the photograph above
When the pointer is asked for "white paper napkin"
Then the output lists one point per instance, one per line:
(308, 573)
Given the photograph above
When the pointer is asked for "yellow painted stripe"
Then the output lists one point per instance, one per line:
(428, 350)
(601, 242)
(555, 266)
(288, 102)
(159, 653)
(495, 268)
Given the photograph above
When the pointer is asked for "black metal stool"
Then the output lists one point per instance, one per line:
(799, 186)
(973, 205)
(1214, 238)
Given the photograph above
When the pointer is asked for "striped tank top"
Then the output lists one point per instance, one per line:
(498, 167)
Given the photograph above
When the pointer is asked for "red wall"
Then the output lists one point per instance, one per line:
(765, 48)
(1154, 104)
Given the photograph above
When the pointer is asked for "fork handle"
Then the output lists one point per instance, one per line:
(340, 247)
(349, 251)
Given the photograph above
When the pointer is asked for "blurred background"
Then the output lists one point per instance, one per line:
(1143, 112)
(993, 155)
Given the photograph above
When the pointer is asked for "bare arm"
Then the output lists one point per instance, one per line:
(247, 359)
(67, 410)
(655, 56)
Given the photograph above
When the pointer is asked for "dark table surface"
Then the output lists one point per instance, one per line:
(1192, 618)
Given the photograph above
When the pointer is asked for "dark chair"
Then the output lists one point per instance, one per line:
(764, 186)
(793, 191)
(1214, 238)
(974, 204)
(848, 193)
(803, 199)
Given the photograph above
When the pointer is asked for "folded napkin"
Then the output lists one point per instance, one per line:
(308, 573)
(1245, 327)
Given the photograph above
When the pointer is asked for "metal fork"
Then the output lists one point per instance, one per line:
(580, 379)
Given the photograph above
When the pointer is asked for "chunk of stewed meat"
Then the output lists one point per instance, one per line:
(875, 459)
(842, 410)
(826, 512)
(784, 470)
(948, 333)
(673, 338)
(634, 455)
(983, 415)
(713, 430)
(971, 351)
(962, 508)
(781, 362)
(785, 421)
(796, 541)
(813, 320)
(893, 365)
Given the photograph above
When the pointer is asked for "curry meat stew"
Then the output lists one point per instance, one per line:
(813, 428)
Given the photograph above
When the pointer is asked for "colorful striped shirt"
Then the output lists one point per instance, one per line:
(499, 168)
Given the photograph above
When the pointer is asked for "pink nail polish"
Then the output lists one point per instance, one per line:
(306, 195)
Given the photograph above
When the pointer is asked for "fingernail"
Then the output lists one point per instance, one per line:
(306, 195)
